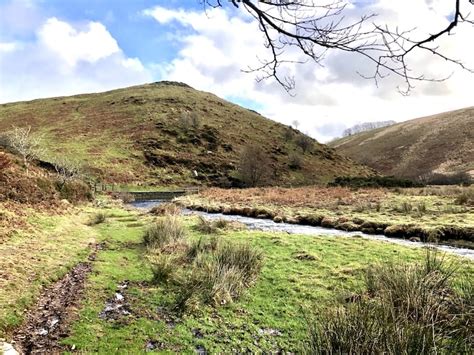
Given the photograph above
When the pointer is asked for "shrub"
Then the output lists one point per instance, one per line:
(406, 309)
(97, 218)
(165, 230)
(373, 181)
(294, 161)
(304, 142)
(254, 166)
(5, 162)
(74, 191)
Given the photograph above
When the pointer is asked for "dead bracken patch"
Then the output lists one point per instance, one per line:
(48, 321)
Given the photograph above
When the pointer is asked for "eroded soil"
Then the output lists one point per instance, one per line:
(47, 323)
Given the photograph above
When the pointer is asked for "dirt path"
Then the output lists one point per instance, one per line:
(49, 320)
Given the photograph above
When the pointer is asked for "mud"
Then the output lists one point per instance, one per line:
(47, 323)
(117, 306)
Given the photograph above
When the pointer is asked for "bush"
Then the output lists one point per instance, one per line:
(254, 168)
(5, 162)
(74, 191)
(165, 230)
(406, 309)
(304, 142)
(373, 181)
(97, 218)
(295, 161)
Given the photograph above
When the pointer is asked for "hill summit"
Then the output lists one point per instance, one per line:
(170, 133)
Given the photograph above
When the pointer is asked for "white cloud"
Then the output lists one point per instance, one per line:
(216, 45)
(66, 59)
(91, 44)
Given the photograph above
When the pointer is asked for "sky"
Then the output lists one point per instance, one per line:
(54, 48)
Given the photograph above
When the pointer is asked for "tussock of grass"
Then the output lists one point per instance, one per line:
(219, 276)
(165, 230)
(407, 308)
(164, 209)
(207, 226)
(97, 218)
(203, 271)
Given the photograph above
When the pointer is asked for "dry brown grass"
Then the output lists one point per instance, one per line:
(313, 197)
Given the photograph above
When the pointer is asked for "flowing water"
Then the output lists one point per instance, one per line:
(269, 225)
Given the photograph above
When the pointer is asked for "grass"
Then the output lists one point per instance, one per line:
(164, 230)
(270, 316)
(426, 208)
(35, 256)
(298, 273)
(405, 308)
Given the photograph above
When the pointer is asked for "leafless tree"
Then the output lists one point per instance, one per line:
(315, 27)
(254, 166)
(66, 170)
(305, 142)
(23, 142)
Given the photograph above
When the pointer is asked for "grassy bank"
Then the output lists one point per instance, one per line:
(433, 213)
(299, 274)
(127, 308)
(39, 250)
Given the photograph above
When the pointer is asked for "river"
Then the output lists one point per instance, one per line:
(269, 225)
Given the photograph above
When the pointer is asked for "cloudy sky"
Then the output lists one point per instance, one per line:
(56, 47)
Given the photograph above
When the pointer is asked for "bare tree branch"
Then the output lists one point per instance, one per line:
(315, 27)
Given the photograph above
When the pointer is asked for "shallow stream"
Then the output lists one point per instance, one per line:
(269, 225)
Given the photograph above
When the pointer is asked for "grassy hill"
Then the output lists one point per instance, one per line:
(442, 143)
(169, 133)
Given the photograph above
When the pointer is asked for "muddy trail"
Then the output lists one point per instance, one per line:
(47, 323)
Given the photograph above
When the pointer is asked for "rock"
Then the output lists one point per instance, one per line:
(7, 349)
(415, 239)
(327, 222)
(278, 219)
(347, 227)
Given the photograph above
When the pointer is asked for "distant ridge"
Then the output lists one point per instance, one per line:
(442, 143)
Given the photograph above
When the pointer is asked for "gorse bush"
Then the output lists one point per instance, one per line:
(165, 230)
(406, 309)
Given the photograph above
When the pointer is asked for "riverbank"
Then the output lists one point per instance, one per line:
(122, 307)
(444, 215)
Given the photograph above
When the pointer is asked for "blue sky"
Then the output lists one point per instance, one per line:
(64, 47)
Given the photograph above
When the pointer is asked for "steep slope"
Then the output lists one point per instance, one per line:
(442, 143)
(169, 133)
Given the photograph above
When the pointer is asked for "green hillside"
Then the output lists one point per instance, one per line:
(169, 133)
